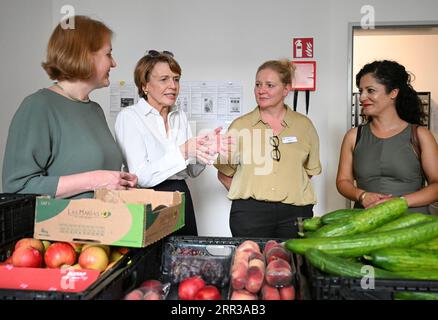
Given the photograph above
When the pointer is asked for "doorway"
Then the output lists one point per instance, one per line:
(414, 45)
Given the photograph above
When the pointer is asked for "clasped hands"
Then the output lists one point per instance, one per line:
(372, 199)
(206, 147)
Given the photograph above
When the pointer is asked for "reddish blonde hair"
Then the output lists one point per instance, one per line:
(69, 51)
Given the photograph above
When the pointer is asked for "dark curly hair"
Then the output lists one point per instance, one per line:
(394, 76)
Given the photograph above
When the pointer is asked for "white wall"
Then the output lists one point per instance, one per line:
(228, 40)
(25, 26)
(418, 53)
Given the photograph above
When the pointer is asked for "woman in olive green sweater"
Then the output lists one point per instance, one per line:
(59, 143)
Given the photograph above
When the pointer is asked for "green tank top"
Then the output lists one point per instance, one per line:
(388, 166)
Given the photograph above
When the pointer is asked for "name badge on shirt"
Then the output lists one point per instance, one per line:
(290, 139)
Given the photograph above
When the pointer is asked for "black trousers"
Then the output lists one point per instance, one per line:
(189, 228)
(253, 218)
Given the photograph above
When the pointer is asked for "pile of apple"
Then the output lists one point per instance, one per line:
(195, 288)
(34, 253)
(266, 275)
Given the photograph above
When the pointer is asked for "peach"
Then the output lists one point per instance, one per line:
(243, 255)
(287, 293)
(256, 274)
(270, 293)
(135, 294)
(248, 244)
(256, 255)
(239, 274)
(152, 295)
(242, 294)
(270, 244)
(278, 273)
(277, 252)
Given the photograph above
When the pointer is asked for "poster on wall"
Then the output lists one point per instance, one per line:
(212, 100)
(122, 94)
(200, 100)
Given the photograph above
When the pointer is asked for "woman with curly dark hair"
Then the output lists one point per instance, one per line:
(392, 154)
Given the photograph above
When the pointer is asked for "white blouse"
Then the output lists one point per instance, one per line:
(150, 153)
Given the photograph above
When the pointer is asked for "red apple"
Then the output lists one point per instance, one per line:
(94, 258)
(208, 293)
(103, 246)
(59, 253)
(188, 287)
(30, 242)
(27, 257)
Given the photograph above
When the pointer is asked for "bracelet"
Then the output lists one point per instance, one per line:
(362, 197)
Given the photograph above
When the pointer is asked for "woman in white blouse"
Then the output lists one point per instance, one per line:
(155, 136)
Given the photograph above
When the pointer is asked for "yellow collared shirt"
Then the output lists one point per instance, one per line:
(257, 175)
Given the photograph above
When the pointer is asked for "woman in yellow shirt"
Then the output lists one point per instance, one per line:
(268, 175)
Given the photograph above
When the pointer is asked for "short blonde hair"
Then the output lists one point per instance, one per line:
(69, 51)
(284, 68)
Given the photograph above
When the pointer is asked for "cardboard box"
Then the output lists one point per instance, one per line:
(128, 218)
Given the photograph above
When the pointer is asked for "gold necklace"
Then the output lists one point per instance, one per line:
(69, 95)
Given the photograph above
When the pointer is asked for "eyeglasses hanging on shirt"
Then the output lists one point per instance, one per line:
(275, 153)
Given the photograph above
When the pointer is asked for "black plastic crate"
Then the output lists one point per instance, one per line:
(207, 245)
(327, 287)
(17, 215)
(112, 285)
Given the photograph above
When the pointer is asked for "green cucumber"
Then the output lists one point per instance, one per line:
(365, 220)
(428, 245)
(407, 220)
(415, 295)
(360, 244)
(338, 215)
(404, 259)
(418, 275)
(312, 224)
(343, 267)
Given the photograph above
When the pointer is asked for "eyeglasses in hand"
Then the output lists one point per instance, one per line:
(155, 53)
(275, 153)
